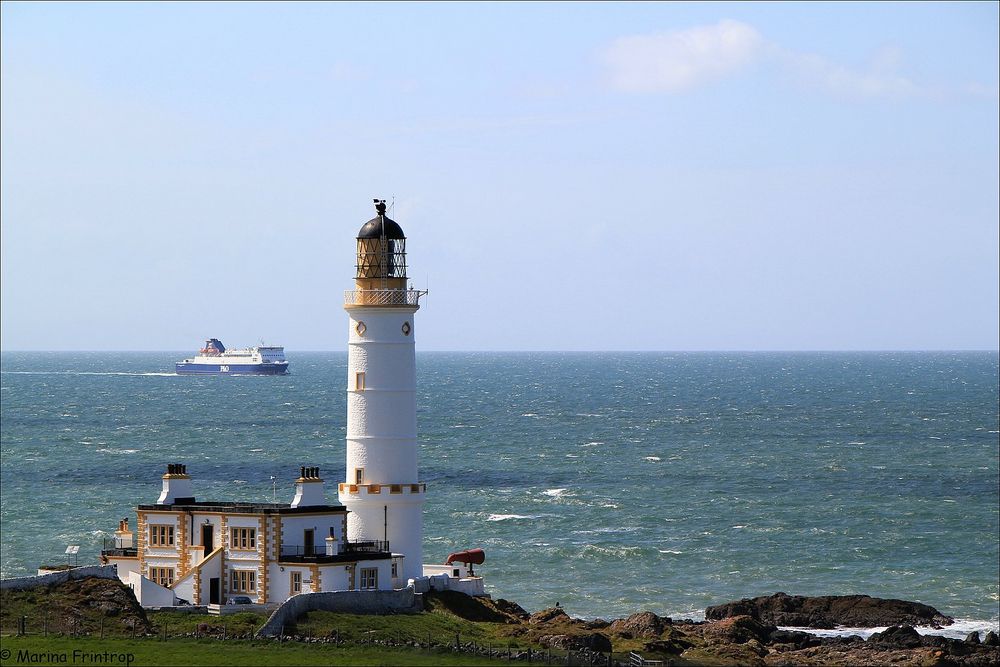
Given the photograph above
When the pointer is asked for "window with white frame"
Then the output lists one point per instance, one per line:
(369, 578)
(243, 539)
(161, 535)
(296, 583)
(164, 576)
(244, 581)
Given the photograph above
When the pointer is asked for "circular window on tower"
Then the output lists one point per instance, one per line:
(360, 328)
(407, 328)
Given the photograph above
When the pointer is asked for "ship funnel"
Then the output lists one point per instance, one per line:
(308, 488)
(176, 486)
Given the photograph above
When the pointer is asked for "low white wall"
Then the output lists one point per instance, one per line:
(403, 601)
(149, 593)
(22, 583)
(442, 582)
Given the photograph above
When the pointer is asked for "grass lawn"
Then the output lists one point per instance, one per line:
(211, 653)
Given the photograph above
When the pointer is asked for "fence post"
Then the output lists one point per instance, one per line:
(102, 627)
(45, 625)
(223, 632)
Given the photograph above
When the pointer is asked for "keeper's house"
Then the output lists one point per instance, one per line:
(197, 552)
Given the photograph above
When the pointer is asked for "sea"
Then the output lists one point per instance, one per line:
(607, 482)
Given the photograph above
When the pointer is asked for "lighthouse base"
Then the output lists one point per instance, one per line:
(397, 520)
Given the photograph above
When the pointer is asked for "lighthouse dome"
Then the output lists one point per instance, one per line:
(373, 229)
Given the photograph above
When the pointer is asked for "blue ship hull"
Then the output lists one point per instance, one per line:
(231, 369)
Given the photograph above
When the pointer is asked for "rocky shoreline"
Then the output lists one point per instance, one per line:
(746, 632)
(766, 630)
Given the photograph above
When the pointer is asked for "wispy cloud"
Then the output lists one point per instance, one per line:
(676, 61)
(682, 59)
(880, 79)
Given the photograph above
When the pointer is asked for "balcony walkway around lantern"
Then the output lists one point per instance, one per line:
(383, 297)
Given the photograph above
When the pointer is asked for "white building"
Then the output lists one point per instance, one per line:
(208, 552)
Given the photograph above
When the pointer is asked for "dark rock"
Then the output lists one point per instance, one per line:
(645, 625)
(794, 637)
(992, 639)
(673, 646)
(826, 611)
(899, 636)
(593, 641)
(511, 608)
(849, 640)
(738, 630)
(548, 615)
(597, 624)
(972, 637)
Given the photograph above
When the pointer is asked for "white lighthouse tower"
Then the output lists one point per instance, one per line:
(382, 491)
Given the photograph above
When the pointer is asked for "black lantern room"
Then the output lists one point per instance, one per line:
(381, 251)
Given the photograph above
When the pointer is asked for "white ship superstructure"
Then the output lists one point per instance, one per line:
(215, 359)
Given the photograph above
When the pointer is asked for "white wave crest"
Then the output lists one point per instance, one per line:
(960, 629)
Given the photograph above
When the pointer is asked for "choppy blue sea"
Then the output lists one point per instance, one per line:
(609, 482)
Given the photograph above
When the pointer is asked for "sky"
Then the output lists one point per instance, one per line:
(704, 176)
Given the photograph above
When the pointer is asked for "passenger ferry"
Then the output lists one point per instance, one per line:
(215, 359)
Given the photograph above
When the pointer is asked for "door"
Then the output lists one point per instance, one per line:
(308, 540)
(207, 539)
(214, 590)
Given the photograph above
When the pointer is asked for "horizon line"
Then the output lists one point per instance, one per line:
(555, 351)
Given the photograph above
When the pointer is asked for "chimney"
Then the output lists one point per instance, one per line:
(331, 544)
(308, 488)
(176, 486)
(123, 536)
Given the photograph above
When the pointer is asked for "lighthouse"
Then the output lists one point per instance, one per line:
(383, 492)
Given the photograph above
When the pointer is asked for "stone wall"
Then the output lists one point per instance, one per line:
(23, 583)
(403, 601)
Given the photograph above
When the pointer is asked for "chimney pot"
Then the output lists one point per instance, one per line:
(176, 485)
